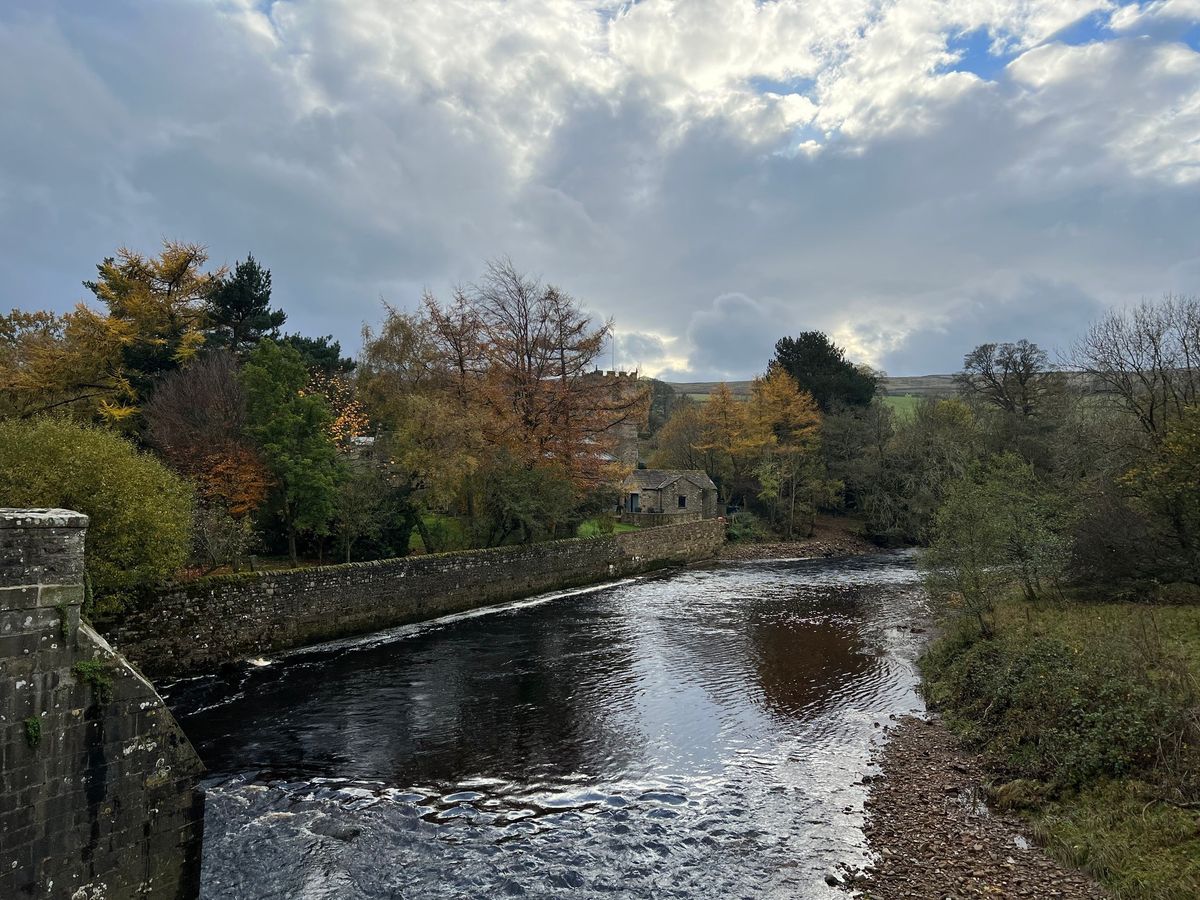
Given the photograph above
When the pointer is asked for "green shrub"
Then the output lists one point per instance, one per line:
(139, 511)
(1043, 709)
(745, 527)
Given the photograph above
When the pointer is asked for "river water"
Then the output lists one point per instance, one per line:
(703, 734)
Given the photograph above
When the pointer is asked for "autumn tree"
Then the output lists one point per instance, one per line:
(156, 312)
(239, 308)
(724, 440)
(522, 353)
(103, 363)
(348, 417)
(197, 421)
(290, 427)
(429, 440)
(783, 430)
(680, 439)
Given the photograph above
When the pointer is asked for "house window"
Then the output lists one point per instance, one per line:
(682, 502)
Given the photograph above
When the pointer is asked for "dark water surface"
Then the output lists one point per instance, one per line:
(699, 735)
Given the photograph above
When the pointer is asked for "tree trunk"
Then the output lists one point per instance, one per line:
(792, 505)
(292, 545)
(426, 537)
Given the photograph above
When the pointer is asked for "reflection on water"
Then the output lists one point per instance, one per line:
(701, 735)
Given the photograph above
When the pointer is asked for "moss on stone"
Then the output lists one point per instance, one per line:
(33, 731)
(98, 674)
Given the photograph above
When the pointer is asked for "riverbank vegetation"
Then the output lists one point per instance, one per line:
(1064, 556)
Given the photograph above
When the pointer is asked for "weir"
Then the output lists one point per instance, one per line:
(197, 627)
(98, 796)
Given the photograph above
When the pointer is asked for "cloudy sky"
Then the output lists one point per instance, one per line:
(911, 176)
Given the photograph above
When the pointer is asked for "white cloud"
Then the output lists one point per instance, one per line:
(712, 173)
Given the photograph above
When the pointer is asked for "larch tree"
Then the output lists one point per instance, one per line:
(784, 426)
(724, 440)
(102, 364)
(523, 353)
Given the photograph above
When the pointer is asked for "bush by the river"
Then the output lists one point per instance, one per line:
(1085, 712)
(140, 512)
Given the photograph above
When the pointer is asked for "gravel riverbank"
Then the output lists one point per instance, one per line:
(828, 540)
(933, 837)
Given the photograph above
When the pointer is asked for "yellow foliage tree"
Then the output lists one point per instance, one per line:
(725, 440)
(100, 364)
(784, 426)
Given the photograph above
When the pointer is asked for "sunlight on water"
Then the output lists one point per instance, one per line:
(699, 735)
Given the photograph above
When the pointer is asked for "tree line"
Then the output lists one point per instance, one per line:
(1082, 469)
(178, 399)
(179, 414)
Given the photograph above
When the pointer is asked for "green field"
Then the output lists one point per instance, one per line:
(903, 405)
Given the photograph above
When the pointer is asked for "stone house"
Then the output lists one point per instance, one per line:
(663, 496)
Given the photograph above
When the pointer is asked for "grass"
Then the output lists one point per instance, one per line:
(1118, 832)
(903, 405)
(1082, 624)
(593, 528)
(1087, 713)
(447, 531)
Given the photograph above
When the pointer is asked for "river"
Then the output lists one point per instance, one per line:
(702, 734)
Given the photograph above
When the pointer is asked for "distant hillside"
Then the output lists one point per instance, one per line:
(896, 386)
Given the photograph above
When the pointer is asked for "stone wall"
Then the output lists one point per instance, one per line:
(198, 626)
(647, 519)
(98, 791)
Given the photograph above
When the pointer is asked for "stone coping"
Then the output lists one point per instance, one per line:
(41, 518)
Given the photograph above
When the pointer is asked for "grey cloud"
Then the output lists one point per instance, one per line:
(734, 338)
(1051, 314)
(354, 173)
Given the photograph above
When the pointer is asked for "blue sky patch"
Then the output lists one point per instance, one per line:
(1191, 37)
(1087, 30)
(975, 55)
(782, 86)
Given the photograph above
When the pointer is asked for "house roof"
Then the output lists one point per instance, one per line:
(657, 479)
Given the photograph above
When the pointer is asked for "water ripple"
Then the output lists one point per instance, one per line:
(700, 735)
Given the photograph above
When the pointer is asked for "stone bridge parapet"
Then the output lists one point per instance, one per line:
(98, 796)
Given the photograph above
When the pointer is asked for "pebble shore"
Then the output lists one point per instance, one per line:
(933, 837)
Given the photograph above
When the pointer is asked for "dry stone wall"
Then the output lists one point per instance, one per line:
(199, 626)
(98, 796)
